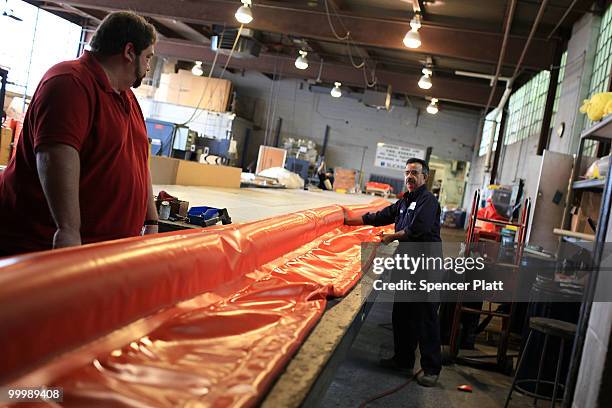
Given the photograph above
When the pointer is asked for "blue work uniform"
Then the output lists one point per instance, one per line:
(415, 323)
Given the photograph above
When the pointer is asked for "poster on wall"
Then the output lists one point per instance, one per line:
(395, 157)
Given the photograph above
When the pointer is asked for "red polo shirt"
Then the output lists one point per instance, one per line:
(75, 104)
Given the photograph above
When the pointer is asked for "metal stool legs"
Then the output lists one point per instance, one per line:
(540, 369)
(535, 399)
(558, 374)
(518, 367)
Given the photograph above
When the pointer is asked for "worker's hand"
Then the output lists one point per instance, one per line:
(149, 229)
(352, 220)
(65, 238)
(387, 238)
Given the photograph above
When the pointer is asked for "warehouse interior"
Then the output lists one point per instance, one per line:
(271, 123)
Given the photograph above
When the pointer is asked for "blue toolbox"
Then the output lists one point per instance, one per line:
(207, 216)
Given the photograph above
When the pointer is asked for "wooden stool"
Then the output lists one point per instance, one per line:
(549, 327)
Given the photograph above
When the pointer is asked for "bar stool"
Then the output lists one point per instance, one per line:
(550, 328)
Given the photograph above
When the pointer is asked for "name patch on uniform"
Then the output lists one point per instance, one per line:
(412, 205)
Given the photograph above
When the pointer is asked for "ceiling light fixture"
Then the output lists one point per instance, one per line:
(432, 108)
(336, 92)
(412, 39)
(8, 12)
(244, 14)
(301, 62)
(425, 81)
(197, 69)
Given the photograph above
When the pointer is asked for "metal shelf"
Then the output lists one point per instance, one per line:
(601, 130)
(595, 184)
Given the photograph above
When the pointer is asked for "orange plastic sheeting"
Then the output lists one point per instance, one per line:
(358, 210)
(54, 301)
(229, 352)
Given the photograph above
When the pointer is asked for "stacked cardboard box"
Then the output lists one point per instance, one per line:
(186, 89)
(344, 180)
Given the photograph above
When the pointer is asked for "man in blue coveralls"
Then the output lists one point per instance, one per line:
(417, 220)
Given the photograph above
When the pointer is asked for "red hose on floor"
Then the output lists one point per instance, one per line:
(389, 391)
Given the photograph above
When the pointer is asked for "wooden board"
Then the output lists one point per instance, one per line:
(270, 157)
(250, 204)
(6, 138)
(555, 172)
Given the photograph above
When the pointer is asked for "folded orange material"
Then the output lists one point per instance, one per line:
(209, 316)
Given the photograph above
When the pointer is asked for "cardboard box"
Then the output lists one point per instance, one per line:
(6, 138)
(186, 89)
(165, 170)
(579, 223)
(590, 204)
(345, 180)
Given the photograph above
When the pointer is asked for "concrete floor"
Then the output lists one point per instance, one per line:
(360, 378)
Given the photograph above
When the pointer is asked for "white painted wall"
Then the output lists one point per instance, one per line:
(580, 59)
(355, 129)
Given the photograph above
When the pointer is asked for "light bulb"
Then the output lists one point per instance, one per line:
(244, 14)
(432, 108)
(197, 69)
(301, 62)
(415, 23)
(425, 82)
(336, 92)
(412, 39)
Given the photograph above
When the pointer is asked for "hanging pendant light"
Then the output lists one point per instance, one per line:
(301, 62)
(336, 92)
(432, 108)
(244, 15)
(197, 69)
(425, 81)
(412, 39)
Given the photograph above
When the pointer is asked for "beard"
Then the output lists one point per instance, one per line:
(139, 77)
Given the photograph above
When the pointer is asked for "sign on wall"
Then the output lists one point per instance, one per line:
(395, 157)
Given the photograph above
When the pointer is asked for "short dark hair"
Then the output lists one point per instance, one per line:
(422, 162)
(119, 28)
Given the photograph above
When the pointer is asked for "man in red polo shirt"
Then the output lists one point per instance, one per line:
(80, 173)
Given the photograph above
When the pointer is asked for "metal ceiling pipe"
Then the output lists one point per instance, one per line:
(508, 90)
(481, 76)
(500, 107)
(497, 111)
(534, 27)
(569, 9)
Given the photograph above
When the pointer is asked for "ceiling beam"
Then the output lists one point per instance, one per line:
(460, 43)
(183, 30)
(461, 91)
